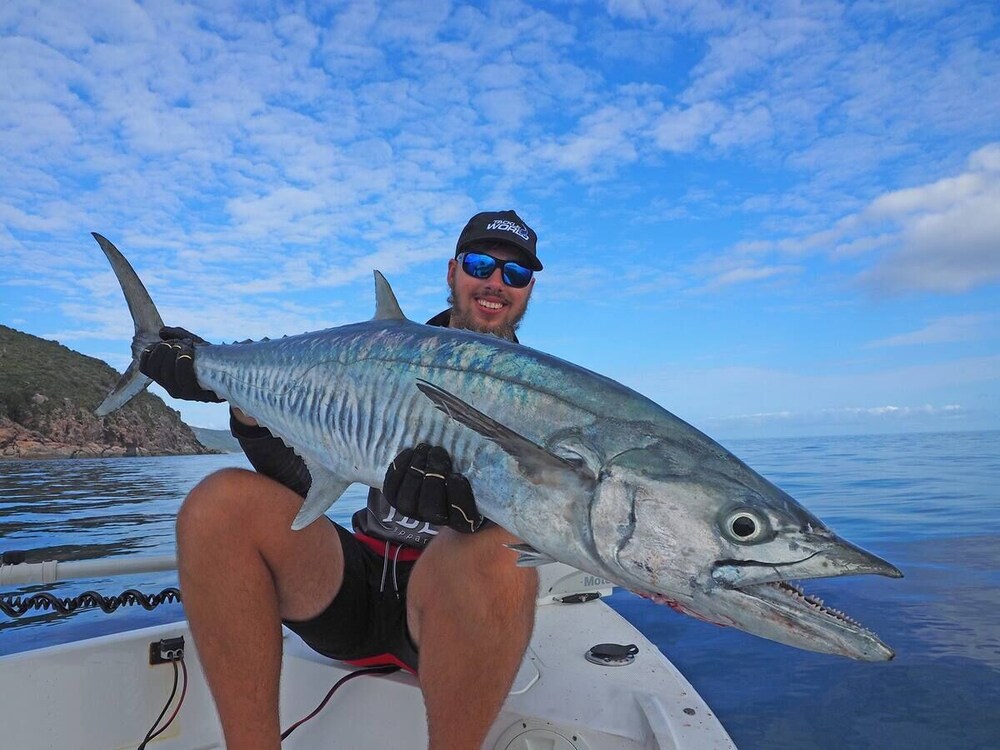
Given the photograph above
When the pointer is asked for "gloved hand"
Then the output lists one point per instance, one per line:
(420, 484)
(171, 364)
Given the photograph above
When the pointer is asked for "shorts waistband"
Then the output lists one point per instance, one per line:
(381, 547)
(382, 660)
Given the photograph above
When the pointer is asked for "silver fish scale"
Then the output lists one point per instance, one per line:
(346, 399)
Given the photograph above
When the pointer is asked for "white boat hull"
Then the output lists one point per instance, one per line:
(102, 694)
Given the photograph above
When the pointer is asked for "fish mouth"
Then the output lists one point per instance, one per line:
(832, 630)
(788, 614)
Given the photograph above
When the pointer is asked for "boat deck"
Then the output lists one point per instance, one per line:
(103, 693)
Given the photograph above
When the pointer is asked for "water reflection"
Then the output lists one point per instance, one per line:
(927, 503)
(90, 509)
(94, 508)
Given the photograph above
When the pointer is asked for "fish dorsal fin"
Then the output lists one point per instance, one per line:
(386, 306)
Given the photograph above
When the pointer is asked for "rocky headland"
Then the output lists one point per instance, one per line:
(48, 394)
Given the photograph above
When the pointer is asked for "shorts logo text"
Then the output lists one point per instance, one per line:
(407, 523)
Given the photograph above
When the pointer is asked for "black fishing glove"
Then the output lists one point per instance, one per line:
(420, 484)
(171, 364)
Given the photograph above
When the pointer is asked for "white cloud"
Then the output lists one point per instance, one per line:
(603, 138)
(943, 236)
(949, 231)
(746, 273)
(743, 127)
(695, 15)
(684, 129)
(633, 10)
(946, 330)
(940, 196)
(847, 420)
(849, 412)
(275, 210)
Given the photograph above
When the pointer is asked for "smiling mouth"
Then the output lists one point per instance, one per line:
(490, 305)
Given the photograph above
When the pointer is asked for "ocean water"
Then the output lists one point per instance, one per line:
(929, 503)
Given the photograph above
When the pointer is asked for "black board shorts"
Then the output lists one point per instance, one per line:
(365, 623)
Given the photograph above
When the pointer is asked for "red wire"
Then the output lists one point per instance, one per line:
(341, 681)
(180, 701)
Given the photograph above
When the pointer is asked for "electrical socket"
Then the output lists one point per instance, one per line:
(166, 650)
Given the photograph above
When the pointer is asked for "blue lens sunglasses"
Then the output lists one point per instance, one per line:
(482, 266)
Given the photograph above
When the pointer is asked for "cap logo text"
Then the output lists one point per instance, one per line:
(504, 225)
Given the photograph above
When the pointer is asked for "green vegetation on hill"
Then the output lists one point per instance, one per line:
(30, 366)
(48, 394)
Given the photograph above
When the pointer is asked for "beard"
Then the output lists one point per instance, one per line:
(461, 317)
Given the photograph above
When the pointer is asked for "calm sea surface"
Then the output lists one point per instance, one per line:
(929, 503)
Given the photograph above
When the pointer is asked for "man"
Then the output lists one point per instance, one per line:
(411, 586)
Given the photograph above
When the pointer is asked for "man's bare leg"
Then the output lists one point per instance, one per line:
(471, 611)
(242, 569)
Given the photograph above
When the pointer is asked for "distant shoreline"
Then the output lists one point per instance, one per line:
(18, 443)
(70, 453)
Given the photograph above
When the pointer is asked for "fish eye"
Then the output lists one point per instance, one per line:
(744, 526)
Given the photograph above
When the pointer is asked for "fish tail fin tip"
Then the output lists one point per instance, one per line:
(147, 327)
(386, 305)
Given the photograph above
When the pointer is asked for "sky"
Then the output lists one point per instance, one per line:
(774, 219)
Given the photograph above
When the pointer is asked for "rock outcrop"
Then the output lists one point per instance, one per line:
(48, 394)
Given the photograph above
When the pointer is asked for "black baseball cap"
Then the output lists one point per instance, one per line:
(504, 227)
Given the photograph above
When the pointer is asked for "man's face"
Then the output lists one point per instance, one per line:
(487, 305)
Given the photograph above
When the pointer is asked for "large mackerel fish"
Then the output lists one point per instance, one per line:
(581, 468)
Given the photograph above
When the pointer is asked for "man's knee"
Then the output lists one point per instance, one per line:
(214, 503)
(472, 579)
(480, 566)
(223, 483)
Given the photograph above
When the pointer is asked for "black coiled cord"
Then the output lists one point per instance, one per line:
(16, 606)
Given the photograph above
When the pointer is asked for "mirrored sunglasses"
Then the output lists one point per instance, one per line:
(482, 266)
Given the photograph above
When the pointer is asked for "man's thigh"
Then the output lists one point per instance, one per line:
(240, 507)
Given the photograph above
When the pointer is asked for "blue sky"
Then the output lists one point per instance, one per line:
(773, 219)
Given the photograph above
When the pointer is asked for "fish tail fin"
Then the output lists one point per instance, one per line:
(147, 328)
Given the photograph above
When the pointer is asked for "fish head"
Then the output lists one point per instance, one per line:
(695, 528)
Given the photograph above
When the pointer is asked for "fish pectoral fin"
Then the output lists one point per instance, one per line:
(533, 461)
(325, 490)
(528, 556)
(578, 453)
(386, 305)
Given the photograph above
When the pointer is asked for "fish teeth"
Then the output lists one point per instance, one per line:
(796, 592)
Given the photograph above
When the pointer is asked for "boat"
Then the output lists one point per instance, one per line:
(589, 681)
